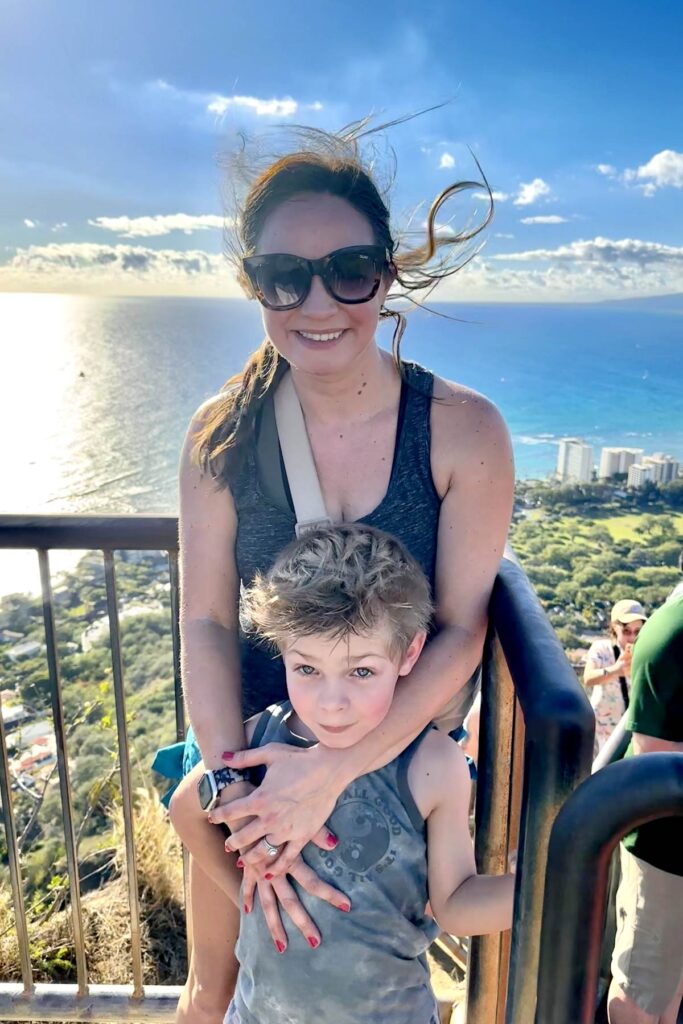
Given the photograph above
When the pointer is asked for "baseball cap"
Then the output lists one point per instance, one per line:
(627, 611)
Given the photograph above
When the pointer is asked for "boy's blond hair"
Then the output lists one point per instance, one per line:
(339, 580)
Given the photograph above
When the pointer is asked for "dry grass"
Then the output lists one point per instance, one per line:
(106, 914)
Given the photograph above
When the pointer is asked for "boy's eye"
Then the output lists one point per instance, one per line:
(363, 673)
(305, 670)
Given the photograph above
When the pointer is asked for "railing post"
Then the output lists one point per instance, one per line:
(484, 964)
(604, 808)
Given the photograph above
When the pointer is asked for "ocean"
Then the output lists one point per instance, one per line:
(96, 393)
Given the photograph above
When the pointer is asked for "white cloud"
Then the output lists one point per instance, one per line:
(29, 223)
(603, 251)
(446, 161)
(530, 191)
(59, 227)
(159, 224)
(262, 108)
(607, 169)
(551, 218)
(498, 197)
(585, 270)
(664, 168)
(218, 104)
(117, 269)
(502, 234)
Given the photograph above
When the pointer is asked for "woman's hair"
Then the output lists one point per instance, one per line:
(341, 580)
(324, 164)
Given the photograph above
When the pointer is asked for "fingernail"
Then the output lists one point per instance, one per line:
(312, 941)
(239, 862)
(346, 907)
(268, 877)
(280, 946)
(246, 908)
(227, 755)
(332, 840)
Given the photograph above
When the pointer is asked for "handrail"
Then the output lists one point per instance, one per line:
(558, 741)
(535, 746)
(602, 810)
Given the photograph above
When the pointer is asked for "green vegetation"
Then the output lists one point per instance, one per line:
(584, 548)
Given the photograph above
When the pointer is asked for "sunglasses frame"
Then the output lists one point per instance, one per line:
(316, 268)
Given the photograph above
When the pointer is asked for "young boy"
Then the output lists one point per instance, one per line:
(348, 609)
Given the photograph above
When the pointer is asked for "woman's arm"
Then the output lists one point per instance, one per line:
(594, 674)
(463, 902)
(473, 470)
(209, 609)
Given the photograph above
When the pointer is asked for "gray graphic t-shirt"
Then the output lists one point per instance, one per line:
(371, 965)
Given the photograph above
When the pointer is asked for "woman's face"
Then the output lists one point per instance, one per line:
(626, 633)
(322, 336)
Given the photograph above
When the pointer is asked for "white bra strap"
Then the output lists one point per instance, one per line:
(302, 476)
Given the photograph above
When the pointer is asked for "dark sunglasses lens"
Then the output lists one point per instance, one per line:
(284, 281)
(353, 276)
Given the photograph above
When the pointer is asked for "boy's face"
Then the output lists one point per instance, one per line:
(341, 689)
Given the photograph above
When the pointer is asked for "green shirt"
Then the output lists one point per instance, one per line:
(656, 709)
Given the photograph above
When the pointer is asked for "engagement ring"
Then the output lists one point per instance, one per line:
(270, 849)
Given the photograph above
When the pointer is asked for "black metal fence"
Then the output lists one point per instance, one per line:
(603, 809)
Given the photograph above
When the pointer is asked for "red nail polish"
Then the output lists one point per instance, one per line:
(280, 946)
(246, 908)
(332, 840)
(312, 941)
(239, 863)
(346, 907)
(268, 877)
(227, 755)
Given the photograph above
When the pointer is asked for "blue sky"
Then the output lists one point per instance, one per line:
(111, 116)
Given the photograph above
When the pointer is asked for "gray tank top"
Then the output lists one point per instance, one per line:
(265, 517)
(371, 966)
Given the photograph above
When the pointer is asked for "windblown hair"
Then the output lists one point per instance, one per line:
(324, 164)
(341, 580)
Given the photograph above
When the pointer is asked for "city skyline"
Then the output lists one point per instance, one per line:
(114, 117)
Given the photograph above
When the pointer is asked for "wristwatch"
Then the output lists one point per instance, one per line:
(211, 784)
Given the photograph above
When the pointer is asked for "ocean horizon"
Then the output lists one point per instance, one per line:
(96, 393)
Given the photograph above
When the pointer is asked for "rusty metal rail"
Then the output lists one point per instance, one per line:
(535, 746)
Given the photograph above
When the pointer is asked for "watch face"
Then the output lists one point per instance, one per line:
(207, 791)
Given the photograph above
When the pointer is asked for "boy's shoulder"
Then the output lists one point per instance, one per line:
(437, 767)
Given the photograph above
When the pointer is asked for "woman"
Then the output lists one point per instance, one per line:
(608, 668)
(394, 447)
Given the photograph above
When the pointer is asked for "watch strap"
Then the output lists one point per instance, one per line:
(226, 776)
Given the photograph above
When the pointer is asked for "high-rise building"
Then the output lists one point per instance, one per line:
(574, 461)
(617, 460)
(639, 474)
(664, 467)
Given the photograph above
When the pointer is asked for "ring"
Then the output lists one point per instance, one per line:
(271, 850)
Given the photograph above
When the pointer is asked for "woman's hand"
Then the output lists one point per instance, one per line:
(276, 892)
(623, 663)
(290, 806)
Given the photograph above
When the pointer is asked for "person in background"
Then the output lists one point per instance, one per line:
(647, 963)
(608, 667)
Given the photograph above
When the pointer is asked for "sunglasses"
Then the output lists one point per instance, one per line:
(281, 281)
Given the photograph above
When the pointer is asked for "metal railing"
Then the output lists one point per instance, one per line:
(536, 740)
(83, 1001)
(599, 813)
(536, 743)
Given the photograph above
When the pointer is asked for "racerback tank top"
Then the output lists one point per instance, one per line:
(265, 517)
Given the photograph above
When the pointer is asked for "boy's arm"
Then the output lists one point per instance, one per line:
(206, 842)
(463, 902)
